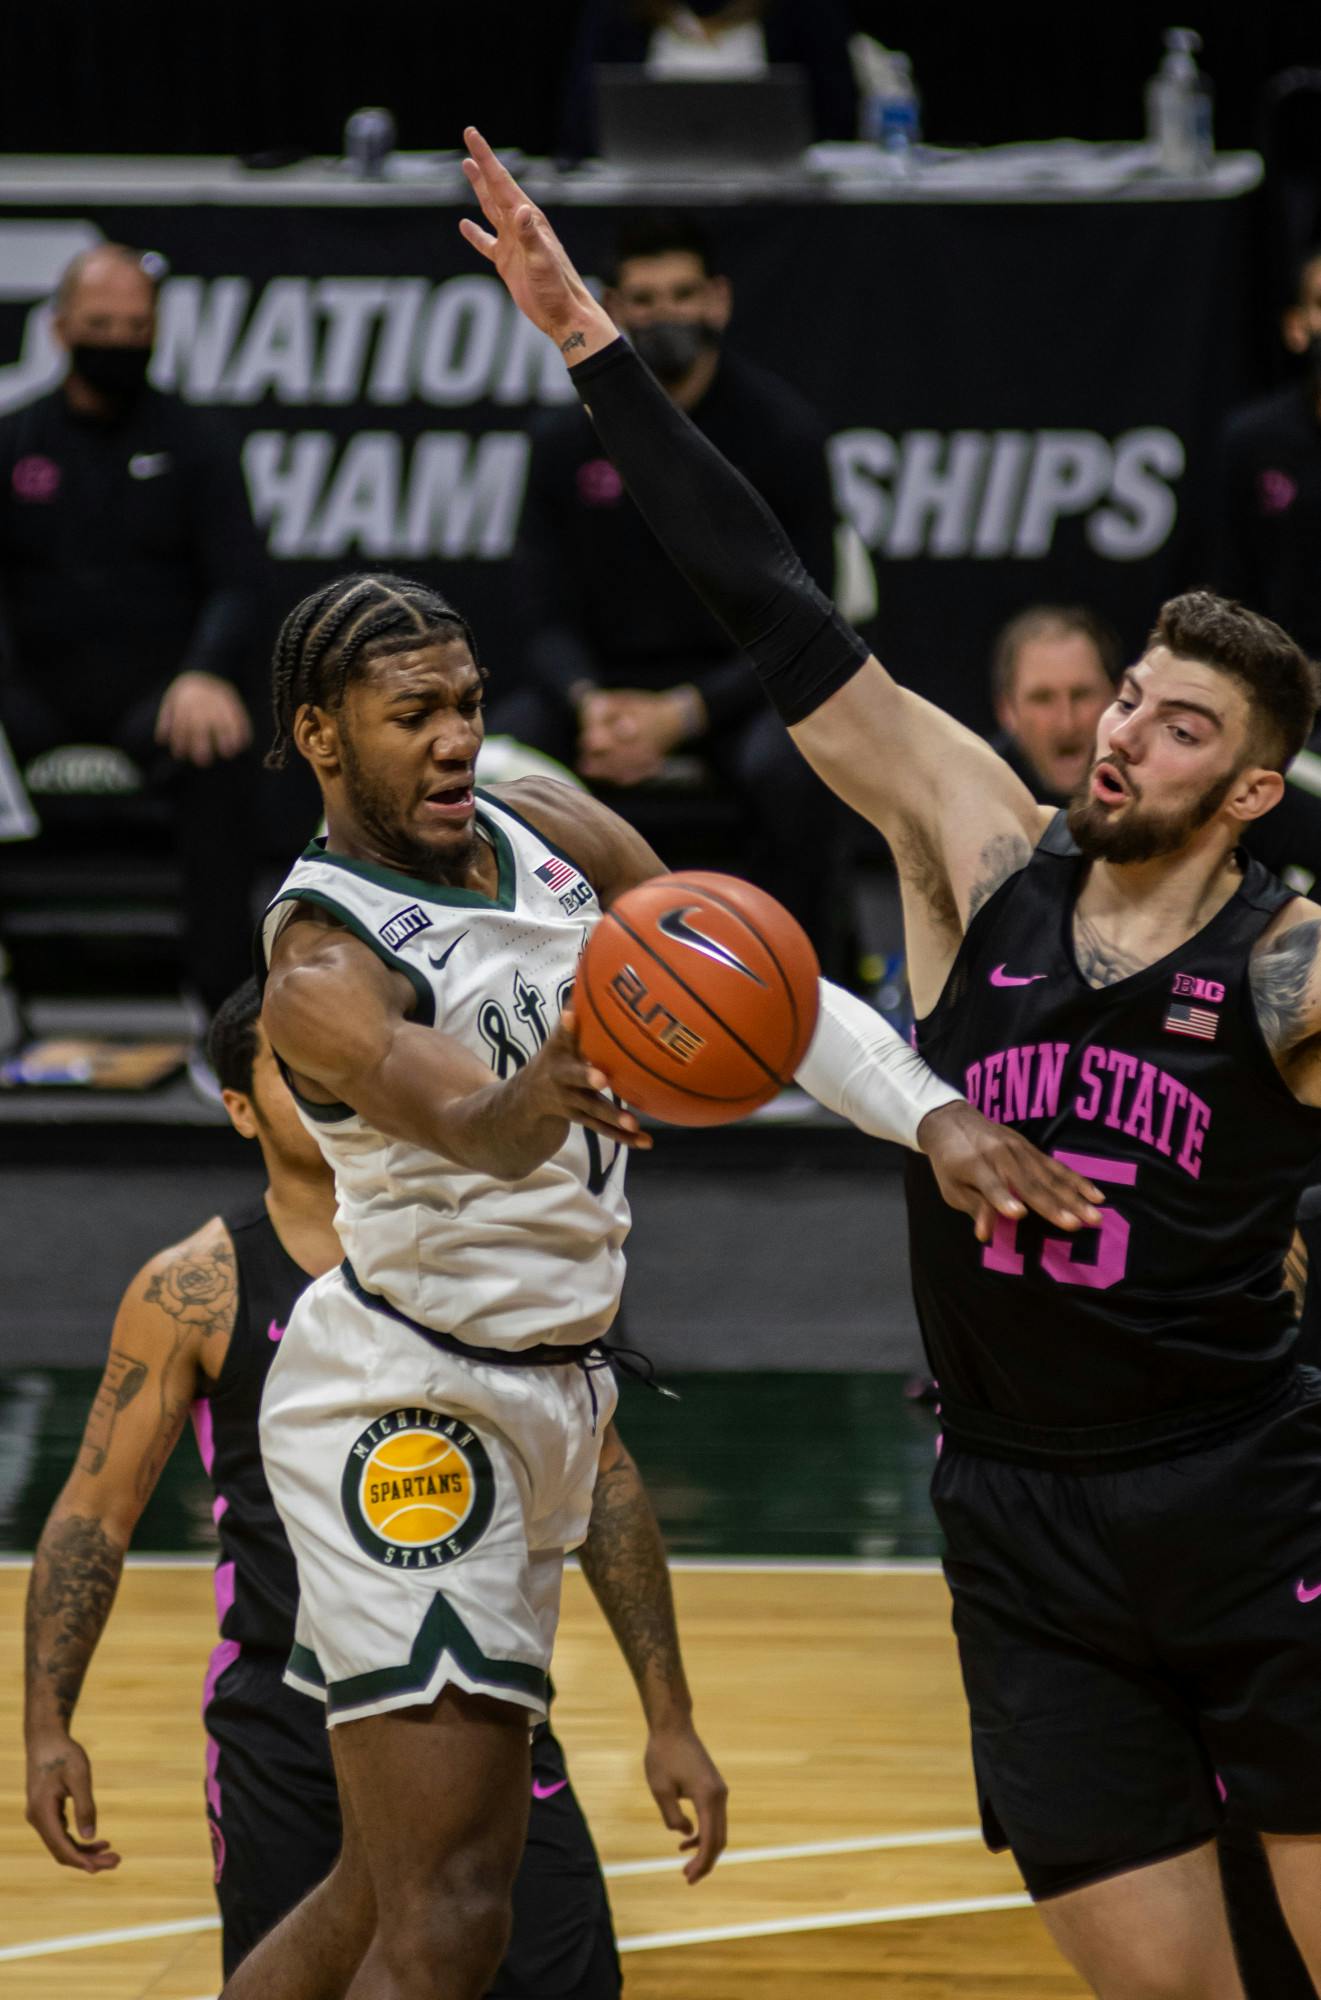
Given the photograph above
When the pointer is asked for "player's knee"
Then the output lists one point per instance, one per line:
(460, 1922)
(1157, 1972)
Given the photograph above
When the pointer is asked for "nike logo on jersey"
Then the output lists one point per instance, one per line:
(441, 959)
(275, 1331)
(540, 1791)
(675, 925)
(1304, 1595)
(148, 464)
(1002, 978)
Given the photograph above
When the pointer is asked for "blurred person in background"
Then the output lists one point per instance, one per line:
(1053, 670)
(624, 666)
(129, 594)
(737, 36)
(1267, 523)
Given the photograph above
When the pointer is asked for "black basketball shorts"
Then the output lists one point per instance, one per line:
(1141, 1647)
(275, 1831)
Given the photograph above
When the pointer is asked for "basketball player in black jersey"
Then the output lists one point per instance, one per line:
(197, 1330)
(1130, 1486)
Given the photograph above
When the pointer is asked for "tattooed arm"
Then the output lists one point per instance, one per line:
(623, 1560)
(1285, 976)
(172, 1328)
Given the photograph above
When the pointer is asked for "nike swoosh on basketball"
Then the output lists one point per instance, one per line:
(540, 1791)
(675, 925)
(443, 958)
(1304, 1595)
(1002, 978)
(275, 1331)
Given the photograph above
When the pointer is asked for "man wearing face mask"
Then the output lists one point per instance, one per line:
(623, 665)
(1268, 518)
(129, 593)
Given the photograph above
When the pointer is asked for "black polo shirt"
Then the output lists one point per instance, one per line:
(127, 553)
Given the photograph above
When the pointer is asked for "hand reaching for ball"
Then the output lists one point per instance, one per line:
(559, 1083)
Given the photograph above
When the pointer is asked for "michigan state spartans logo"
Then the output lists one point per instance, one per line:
(418, 1489)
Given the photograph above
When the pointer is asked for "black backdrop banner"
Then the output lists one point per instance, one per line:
(1022, 398)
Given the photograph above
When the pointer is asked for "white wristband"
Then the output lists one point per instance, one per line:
(858, 1066)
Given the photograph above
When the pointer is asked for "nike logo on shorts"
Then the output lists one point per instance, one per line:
(1002, 978)
(1304, 1595)
(540, 1791)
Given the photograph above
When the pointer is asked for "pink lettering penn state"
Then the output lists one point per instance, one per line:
(1113, 1088)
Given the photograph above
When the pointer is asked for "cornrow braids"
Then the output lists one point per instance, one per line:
(331, 636)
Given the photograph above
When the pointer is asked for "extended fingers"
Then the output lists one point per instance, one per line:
(1053, 1191)
(480, 239)
(492, 180)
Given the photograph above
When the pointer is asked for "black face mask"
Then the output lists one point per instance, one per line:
(670, 347)
(120, 372)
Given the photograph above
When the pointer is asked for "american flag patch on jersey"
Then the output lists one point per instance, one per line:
(556, 874)
(1201, 1021)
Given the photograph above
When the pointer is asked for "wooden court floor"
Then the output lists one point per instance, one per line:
(829, 1697)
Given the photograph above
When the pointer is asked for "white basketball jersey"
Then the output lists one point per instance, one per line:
(498, 1263)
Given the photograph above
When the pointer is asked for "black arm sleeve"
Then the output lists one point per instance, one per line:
(720, 535)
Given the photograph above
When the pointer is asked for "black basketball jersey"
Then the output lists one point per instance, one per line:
(1162, 1090)
(256, 1582)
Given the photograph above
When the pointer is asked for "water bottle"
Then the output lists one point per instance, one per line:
(898, 112)
(1179, 107)
(369, 141)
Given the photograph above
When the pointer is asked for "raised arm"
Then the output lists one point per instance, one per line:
(339, 1019)
(623, 1560)
(958, 819)
(177, 1315)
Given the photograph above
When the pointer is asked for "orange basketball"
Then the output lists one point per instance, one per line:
(697, 995)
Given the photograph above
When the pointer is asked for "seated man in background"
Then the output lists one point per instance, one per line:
(1053, 669)
(129, 593)
(623, 664)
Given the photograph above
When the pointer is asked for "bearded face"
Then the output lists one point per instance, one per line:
(1123, 828)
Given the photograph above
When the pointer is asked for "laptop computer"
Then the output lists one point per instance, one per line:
(696, 124)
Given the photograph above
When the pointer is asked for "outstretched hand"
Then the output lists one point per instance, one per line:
(990, 1170)
(530, 258)
(560, 1083)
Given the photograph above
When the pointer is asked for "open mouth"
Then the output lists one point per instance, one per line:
(449, 801)
(1107, 785)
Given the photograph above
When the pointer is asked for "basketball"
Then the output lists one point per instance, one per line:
(697, 995)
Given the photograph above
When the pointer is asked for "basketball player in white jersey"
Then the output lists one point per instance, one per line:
(432, 1422)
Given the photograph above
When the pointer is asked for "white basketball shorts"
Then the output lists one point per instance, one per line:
(429, 1499)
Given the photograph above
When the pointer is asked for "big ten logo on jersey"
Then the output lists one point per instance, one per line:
(513, 1029)
(418, 1490)
(570, 890)
(1188, 987)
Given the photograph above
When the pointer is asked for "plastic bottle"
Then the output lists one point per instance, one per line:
(1179, 107)
(898, 112)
